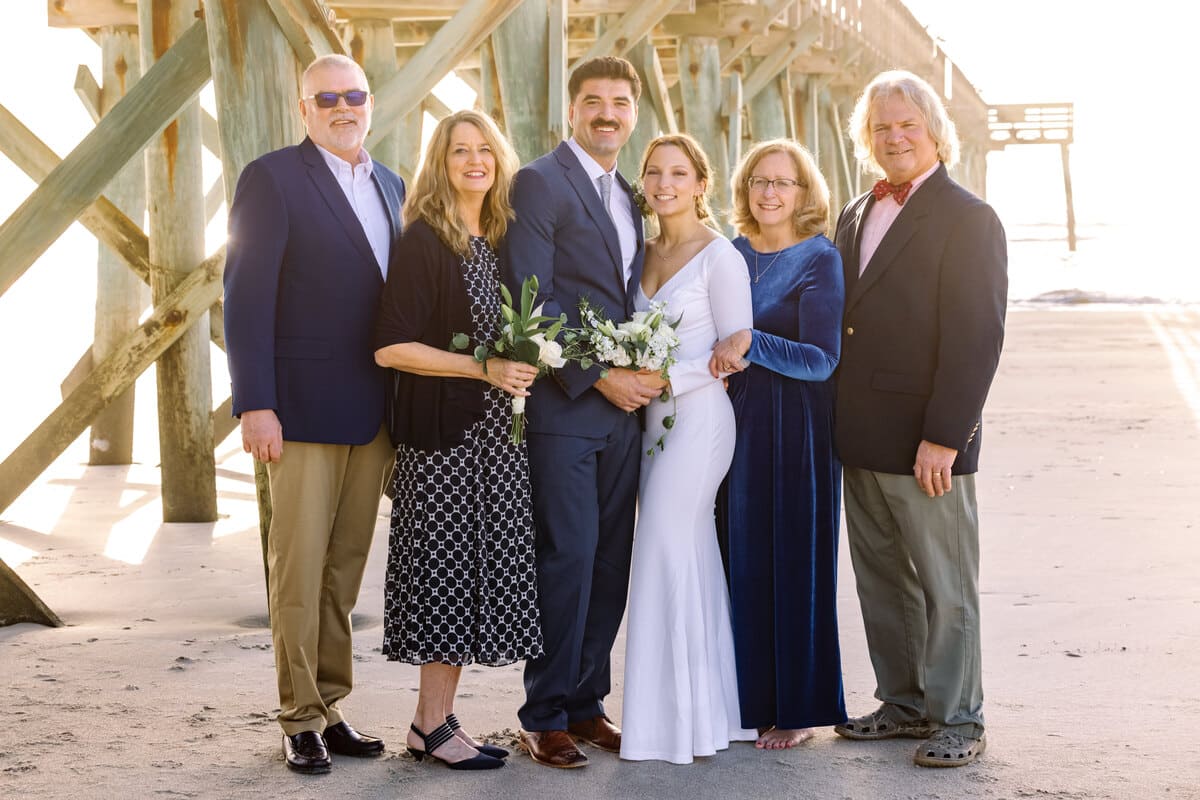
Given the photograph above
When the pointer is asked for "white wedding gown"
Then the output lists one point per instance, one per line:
(680, 696)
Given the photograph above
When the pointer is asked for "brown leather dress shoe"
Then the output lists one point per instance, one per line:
(598, 732)
(552, 749)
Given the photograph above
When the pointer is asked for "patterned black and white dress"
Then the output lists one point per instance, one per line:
(461, 587)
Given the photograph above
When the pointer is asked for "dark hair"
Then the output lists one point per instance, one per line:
(617, 69)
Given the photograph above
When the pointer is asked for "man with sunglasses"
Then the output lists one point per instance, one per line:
(311, 228)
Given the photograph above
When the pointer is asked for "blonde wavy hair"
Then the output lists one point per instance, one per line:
(811, 216)
(920, 96)
(433, 199)
(695, 154)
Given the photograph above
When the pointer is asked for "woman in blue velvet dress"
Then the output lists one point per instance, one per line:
(779, 507)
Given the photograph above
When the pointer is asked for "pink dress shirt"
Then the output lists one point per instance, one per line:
(880, 218)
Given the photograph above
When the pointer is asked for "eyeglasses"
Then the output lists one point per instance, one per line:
(758, 184)
(354, 97)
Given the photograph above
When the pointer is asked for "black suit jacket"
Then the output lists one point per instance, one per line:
(922, 328)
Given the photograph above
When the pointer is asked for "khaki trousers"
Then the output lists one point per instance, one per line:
(916, 563)
(325, 500)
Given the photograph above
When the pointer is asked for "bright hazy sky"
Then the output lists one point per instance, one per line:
(1121, 64)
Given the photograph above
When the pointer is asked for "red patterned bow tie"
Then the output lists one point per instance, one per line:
(900, 191)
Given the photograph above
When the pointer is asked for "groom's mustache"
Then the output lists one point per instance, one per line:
(606, 123)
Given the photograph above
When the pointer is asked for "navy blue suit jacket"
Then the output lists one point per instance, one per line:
(302, 289)
(563, 235)
(922, 329)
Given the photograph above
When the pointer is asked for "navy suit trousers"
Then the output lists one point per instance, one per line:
(584, 494)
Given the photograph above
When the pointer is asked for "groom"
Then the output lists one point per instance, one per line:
(577, 229)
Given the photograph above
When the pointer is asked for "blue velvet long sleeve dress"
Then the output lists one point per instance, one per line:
(779, 508)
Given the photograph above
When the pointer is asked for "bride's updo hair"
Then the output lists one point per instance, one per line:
(695, 154)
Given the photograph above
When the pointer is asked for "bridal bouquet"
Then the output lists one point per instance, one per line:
(525, 337)
(646, 341)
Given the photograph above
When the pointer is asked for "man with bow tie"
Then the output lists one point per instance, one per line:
(926, 288)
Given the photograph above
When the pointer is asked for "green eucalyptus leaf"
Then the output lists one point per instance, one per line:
(460, 341)
(481, 355)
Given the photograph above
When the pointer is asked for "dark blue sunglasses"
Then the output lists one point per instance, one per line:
(354, 97)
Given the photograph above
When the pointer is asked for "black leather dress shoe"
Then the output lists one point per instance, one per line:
(306, 752)
(345, 741)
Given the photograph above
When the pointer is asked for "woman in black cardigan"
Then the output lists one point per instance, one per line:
(461, 586)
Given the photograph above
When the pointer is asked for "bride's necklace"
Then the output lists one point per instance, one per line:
(667, 258)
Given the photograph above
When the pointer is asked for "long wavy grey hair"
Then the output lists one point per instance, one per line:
(922, 97)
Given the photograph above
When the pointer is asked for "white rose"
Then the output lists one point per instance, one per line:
(549, 353)
(617, 356)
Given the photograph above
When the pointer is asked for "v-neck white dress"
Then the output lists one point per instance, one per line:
(680, 696)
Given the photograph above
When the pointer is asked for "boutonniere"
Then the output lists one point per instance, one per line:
(639, 199)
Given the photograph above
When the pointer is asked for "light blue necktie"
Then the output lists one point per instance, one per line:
(606, 182)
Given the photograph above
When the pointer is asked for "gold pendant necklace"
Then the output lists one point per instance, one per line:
(757, 274)
(669, 258)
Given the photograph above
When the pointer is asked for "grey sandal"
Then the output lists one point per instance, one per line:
(949, 749)
(879, 724)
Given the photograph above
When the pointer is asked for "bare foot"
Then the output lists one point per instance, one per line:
(783, 739)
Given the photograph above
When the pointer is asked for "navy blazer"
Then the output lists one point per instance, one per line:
(563, 235)
(302, 288)
(922, 328)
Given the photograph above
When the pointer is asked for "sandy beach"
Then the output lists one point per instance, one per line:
(161, 683)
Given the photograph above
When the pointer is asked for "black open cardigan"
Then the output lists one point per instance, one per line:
(425, 300)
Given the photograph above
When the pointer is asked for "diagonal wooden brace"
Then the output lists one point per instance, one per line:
(19, 603)
(473, 23)
(79, 179)
(178, 311)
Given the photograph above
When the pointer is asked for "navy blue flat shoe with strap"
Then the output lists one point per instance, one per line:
(487, 749)
(438, 737)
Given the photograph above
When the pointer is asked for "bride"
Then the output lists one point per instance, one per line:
(680, 696)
